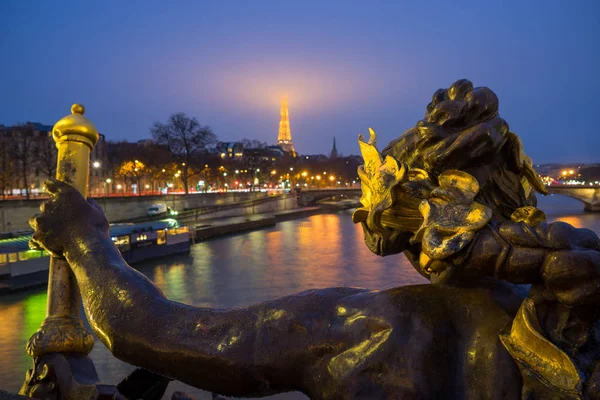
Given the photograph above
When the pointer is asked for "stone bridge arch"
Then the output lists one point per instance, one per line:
(588, 195)
(309, 197)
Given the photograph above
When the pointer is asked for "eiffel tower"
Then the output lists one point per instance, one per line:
(284, 139)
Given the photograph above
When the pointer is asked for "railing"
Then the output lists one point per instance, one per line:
(42, 195)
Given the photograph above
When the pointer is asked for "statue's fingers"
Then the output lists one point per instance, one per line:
(35, 221)
(56, 187)
(39, 224)
(47, 207)
(35, 245)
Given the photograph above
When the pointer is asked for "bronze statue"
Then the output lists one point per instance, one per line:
(456, 195)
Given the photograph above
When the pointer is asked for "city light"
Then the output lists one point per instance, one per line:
(304, 174)
(96, 164)
(119, 186)
(108, 180)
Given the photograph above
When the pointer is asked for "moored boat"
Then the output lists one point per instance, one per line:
(21, 267)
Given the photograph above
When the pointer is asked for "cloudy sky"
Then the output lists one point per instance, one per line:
(344, 65)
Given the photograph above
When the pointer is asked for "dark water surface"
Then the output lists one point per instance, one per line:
(316, 252)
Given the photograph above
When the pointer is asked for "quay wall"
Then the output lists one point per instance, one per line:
(271, 205)
(15, 214)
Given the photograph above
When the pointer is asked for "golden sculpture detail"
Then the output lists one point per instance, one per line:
(63, 331)
(461, 226)
(551, 366)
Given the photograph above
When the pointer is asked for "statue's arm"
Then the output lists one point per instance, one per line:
(564, 258)
(259, 350)
(256, 351)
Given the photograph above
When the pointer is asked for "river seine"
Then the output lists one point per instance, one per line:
(315, 252)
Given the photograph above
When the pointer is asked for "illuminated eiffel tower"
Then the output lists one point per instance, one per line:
(284, 139)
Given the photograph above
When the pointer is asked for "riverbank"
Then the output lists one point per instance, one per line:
(211, 229)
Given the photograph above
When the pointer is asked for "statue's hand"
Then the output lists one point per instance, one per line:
(67, 220)
(573, 277)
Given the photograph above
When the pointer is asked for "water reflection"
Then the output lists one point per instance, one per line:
(320, 251)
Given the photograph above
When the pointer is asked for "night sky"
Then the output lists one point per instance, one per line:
(345, 66)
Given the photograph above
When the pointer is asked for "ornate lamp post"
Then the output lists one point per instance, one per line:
(60, 346)
(62, 330)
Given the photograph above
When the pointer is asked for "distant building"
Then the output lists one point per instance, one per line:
(38, 127)
(33, 157)
(146, 142)
(99, 161)
(284, 139)
(334, 152)
(315, 157)
(231, 150)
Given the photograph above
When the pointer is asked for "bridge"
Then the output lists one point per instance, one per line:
(588, 195)
(311, 196)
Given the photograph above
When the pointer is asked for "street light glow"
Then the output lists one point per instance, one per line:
(96, 164)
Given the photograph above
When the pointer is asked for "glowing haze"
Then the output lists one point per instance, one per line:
(344, 66)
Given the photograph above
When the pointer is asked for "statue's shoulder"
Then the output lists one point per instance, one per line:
(487, 304)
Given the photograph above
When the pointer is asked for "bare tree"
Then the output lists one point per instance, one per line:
(22, 149)
(7, 167)
(186, 140)
(46, 155)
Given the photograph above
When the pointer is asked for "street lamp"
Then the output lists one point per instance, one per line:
(106, 182)
(93, 176)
